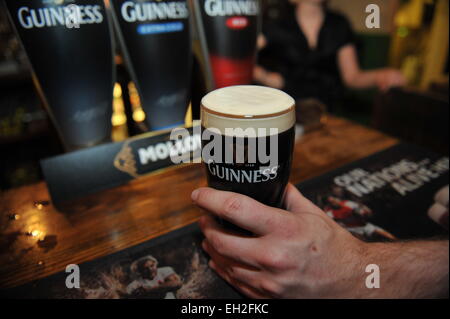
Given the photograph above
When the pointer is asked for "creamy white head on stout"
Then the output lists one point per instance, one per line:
(248, 106)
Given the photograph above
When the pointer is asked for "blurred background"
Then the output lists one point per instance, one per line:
(413, 38)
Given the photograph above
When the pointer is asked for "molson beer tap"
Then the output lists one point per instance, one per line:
(156, 43)
(228, 31)
(70, 48)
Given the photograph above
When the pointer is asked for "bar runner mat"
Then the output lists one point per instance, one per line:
(379, 198)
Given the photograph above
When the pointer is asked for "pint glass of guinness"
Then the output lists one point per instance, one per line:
(248, 137)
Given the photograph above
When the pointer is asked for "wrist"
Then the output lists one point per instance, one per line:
(276, 80)
(350, 278)
(362, 261)
(259, 73)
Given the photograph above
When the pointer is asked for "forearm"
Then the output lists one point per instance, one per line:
(355, 78)
(267, 78)
(410, 269)
(260, 74)
(362, 80)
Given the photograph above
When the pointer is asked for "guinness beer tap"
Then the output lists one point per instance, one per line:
(156, 43)
(228, 31)
(70, 49)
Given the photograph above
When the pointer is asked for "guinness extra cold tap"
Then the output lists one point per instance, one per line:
(70, 48)
(228, 31)
(156, 42)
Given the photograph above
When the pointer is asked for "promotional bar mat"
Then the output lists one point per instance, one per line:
(380, 198)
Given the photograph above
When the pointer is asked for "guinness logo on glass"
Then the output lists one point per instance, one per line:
(133, 11)
(231, 7)
(59, 13)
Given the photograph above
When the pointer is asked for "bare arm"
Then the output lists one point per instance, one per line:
(411, 269)
(267, 78)
(354, 77)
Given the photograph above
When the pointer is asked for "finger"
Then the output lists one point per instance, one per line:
(238, 209)
(241, 272)
(243, 288)
(224, 260)
(442, 197)
(240, 249)
(295, 202)
(439, 214)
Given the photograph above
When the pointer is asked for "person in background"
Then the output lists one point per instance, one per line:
(311, 52)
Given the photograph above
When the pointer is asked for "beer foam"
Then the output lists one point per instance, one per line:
(248, 101)
(248, 106)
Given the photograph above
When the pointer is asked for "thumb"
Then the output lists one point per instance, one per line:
(295, 202)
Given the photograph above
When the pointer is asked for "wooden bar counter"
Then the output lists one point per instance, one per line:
(37, 240)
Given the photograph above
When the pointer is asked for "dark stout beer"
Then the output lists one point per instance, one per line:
(70, 47)
(228, 31)
(156, 42)
(248, 137)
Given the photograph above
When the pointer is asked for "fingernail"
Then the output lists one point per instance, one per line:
(194, 195)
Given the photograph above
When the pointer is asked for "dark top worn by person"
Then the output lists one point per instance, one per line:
(308, 72)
